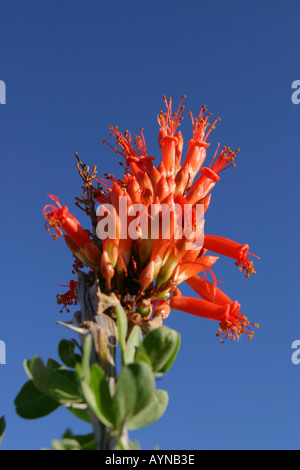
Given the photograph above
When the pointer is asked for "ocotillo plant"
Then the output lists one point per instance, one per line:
(146, 239)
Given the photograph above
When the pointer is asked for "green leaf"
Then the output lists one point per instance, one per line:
(2, 428)
(64, 386)
(152, 412)
(85, 363)
(172, 357)
(80, 414)
(134, 391)
(76, 344)
(39, 375)
(92, 398)
(93, 382)
(142, 357)
(31, 403)
(71, 442)
(27, 368)
(122, 325)
(161, 346)
(60, 445)
(66, 353)
(54, 365)
(56, 381)
(134, 340)
(101, 392)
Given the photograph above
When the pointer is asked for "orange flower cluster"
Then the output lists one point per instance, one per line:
(145, 271)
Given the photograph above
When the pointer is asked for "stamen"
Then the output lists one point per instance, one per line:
(170, 122)
(69, 298)
(224, 160)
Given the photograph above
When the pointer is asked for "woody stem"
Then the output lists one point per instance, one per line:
(95, 317)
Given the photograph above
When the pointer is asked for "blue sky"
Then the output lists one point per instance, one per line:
(73, 68)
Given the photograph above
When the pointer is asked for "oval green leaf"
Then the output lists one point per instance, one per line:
(161, 346)
(134, 391)
(31, 403)
(152, 412)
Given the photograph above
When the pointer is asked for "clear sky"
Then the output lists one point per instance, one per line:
(71, 69)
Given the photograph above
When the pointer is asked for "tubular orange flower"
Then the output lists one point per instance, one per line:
(202, 186)
(191, 268)
(212, 293)
(232, 322)
(164, 206)
(232, 249)
(60, 217)
(170, 144)
(208, 291)
(76, 250)
(197, 145)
